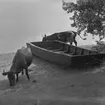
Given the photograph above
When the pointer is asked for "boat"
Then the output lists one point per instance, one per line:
(64, 54)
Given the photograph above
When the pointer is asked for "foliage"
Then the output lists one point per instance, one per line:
(88, 15)
(100, 47)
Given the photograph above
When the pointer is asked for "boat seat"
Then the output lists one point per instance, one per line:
(78, 51)
(93, 52)
(71, 50)
(86, 52)
(59, 49)
(54, 48)
(63, 48)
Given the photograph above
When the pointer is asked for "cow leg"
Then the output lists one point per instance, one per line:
(70, 43)
(17, 77)
(26, 71)
(22, 72)
(75, 42)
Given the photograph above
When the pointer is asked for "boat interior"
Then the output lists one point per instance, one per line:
(57, 46)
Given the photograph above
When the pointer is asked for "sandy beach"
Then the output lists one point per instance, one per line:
(52, 84)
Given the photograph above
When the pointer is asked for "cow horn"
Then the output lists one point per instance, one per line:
(3, 71)
(43, 35)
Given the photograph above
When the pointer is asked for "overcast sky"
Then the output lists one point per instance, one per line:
(23, 21)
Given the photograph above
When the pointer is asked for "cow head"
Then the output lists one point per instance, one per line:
(11, 77)
(44, 38)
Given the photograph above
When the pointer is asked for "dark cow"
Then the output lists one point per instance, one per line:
(54, 36)
(66, 36)
(21, 60)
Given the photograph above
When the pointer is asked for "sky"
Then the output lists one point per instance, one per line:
(23, 21)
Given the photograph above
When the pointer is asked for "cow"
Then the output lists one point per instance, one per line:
(66, 36)
(22, 60)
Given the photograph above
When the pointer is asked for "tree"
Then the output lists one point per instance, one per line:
(88, 15)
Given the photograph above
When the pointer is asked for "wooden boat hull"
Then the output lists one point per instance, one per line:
(65, 59)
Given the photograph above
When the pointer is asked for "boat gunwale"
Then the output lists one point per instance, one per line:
(51, 51)
(62, 53)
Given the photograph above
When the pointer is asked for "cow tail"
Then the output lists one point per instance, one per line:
(80, 36)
